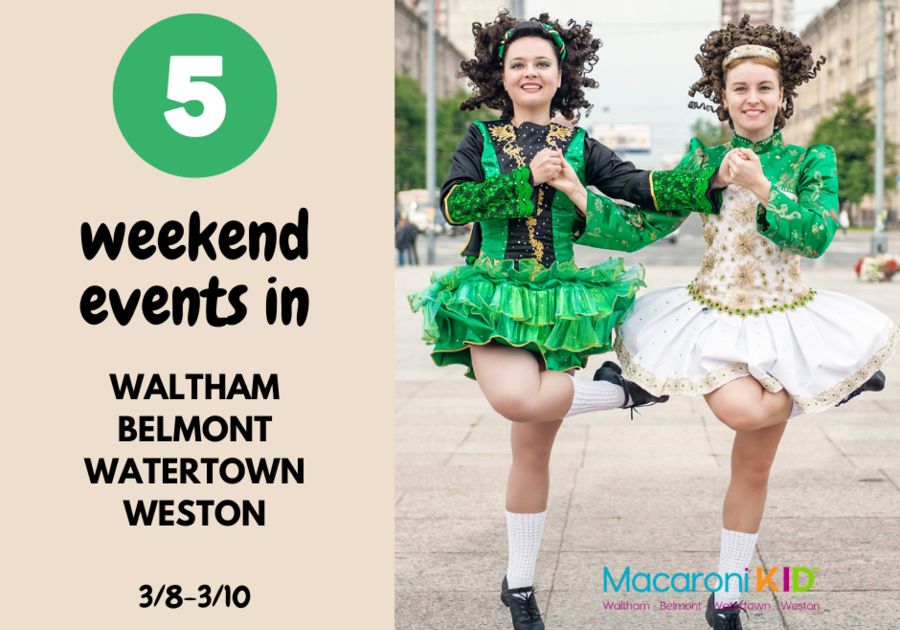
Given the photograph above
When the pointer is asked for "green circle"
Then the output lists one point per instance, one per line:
(142, 84)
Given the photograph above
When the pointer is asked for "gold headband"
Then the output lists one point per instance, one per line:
(750, 52)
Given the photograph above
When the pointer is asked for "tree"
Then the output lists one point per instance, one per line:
(409, 132)
(851, 132)
(451, 127)
(709, 133)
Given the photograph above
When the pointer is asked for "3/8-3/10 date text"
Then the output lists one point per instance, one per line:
(239, 597)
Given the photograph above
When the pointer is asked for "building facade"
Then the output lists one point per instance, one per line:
(776, 12)
(461, 14)
(411, 51)
(847, 35)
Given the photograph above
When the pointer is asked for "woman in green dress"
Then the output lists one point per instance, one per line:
(748, 333)
(521, 316)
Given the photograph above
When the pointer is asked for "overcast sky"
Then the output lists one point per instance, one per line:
(647, 61)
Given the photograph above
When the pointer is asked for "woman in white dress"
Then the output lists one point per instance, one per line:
(747, 333)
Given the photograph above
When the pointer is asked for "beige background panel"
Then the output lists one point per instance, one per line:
(70, 559)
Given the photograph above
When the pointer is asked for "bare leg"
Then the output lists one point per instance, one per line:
(513, 383)
(527, 489)
(526, 498)
(520, 388)
(529, 476)
(758, 417)
(751, 460)
(744, 405)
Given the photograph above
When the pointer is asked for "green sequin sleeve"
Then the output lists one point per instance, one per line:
(683, 189)
(686, 187)
(506, 196)
(608, 225)
(675, 195)
(805, 226)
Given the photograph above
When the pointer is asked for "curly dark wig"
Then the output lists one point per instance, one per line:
(485, 72)
(796, 66)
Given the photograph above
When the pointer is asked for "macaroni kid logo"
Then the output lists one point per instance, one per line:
(786, 579)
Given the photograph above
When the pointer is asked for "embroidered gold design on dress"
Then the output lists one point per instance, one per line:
(709, 262)
(743, 272)
(633, 371)
(698, 159)
(771, 384)
(685, 386)
(745, 244)
(531, 222)
(843, 389)
(515, 153)
(507, 135)
(745, 275)
(558, 132)
(503, 133)
(746, 214)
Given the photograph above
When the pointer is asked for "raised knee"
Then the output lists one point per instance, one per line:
(743, 419)
(512, 406)
(737, 422)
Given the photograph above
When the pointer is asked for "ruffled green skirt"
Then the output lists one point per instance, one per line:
(562, 313)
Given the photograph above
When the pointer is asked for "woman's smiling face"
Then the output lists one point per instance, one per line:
(753, 94)
(531, 73)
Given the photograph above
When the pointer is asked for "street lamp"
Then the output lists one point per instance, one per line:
(430, 135)
(879, 238)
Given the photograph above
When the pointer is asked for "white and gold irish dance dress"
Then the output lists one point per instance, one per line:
(748, 311)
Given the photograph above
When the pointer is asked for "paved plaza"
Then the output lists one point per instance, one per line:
(645, 494)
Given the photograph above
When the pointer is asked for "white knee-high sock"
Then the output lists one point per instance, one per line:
(594, 396)
(735, 555)
(524, 531)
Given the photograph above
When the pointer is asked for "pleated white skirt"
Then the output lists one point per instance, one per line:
(819, 353)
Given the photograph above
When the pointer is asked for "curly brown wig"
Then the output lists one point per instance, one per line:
(796, 66)
(485, 72)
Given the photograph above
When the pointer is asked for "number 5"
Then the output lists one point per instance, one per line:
(182, 89)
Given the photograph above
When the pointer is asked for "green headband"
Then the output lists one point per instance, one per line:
(554, 35)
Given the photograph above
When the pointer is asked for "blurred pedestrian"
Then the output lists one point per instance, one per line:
(844, 220)
(405, 241)
(414, 233)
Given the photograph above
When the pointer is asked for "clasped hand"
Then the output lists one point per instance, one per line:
(546, 165)
(742, 167)
(739, 167)
(566, 179)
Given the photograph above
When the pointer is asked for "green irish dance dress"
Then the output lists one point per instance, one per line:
(521, 286)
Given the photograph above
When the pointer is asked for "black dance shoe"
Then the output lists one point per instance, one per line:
(726, 618)
(524, 610)
(609, 365)
(635, 396)
(874, 384)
